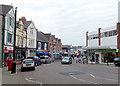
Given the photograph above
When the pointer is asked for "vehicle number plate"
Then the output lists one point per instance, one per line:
(27, 64)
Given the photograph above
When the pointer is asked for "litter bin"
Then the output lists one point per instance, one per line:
(10, 60)
(13, 67)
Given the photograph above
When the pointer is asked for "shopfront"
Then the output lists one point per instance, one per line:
(20, 53)
(8, 51)
(101, 55)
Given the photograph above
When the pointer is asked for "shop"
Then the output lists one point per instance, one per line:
(8, 52)
(99, 56)
(42, 52)
(20, 53)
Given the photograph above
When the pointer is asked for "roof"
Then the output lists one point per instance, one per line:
(41, 37)
(27, 23)
(4, 9)
(47, 35)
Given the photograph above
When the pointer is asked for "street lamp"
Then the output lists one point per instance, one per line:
(14, 47)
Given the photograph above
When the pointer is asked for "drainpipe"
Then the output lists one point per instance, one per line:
(118, 38)
(99, 36)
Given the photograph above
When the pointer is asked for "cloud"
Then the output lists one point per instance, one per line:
(68, 19)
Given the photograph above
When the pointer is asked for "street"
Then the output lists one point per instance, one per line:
(57, 73)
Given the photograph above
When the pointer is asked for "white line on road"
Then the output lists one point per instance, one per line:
(102, 77)
(83, 80)
(92, 75)
(29, 79)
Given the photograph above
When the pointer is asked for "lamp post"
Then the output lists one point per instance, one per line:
(14, 47)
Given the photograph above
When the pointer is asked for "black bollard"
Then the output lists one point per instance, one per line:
(13, 67)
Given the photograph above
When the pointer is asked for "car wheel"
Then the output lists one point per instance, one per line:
(33, 68)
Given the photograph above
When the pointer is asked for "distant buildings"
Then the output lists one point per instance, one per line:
(28, 39)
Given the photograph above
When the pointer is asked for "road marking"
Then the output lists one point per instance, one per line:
(83, 80)
(30, 80)
(102, 77)
(92, 75)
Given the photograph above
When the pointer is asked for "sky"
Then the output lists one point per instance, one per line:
(68, 19)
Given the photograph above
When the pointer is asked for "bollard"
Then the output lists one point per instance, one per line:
(13, 67)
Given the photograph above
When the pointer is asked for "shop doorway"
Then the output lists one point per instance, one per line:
(97, 58)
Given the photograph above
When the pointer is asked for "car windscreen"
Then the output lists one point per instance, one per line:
(42, 57)
(66, 58)
(30, 57)
(28, 61)
(116, 59)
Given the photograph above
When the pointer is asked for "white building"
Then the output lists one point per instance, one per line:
(119, 11)
(7, 21)
(102, 44)
(31, 37)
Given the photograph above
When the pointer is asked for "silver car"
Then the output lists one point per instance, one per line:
(45, 59)
(67, 60)
(27, 64)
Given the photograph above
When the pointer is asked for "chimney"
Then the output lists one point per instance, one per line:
(23, 19)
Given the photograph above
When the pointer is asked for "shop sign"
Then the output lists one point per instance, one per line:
(8, 49)
(103, 50)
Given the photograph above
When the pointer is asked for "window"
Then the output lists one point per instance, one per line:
(21, 27)
(105, 34)
(45, 46)
(39, 45)
(110, 33)
(9, 38)
(31, 31)
(10, 21)
(114, 32)
(29, 42)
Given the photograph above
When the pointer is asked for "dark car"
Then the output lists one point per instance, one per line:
(36, 60)
(67, 60)
(117, 61)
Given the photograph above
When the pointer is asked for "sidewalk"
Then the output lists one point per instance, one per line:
(7, 76)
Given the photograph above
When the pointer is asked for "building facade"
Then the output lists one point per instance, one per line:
(21, 34)
(31, 37)
(7, 20)
(42, 44)
(102, 45)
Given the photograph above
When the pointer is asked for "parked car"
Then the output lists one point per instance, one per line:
(117, 61)
(27, 64)
(36, 60)
(67, 60)
(45, 59)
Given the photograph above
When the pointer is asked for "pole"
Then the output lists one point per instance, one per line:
(14, 35)
(2, 52)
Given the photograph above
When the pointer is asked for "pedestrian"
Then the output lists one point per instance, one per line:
(107, 61)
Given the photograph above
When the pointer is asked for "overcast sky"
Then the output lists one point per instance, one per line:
(68, 19)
